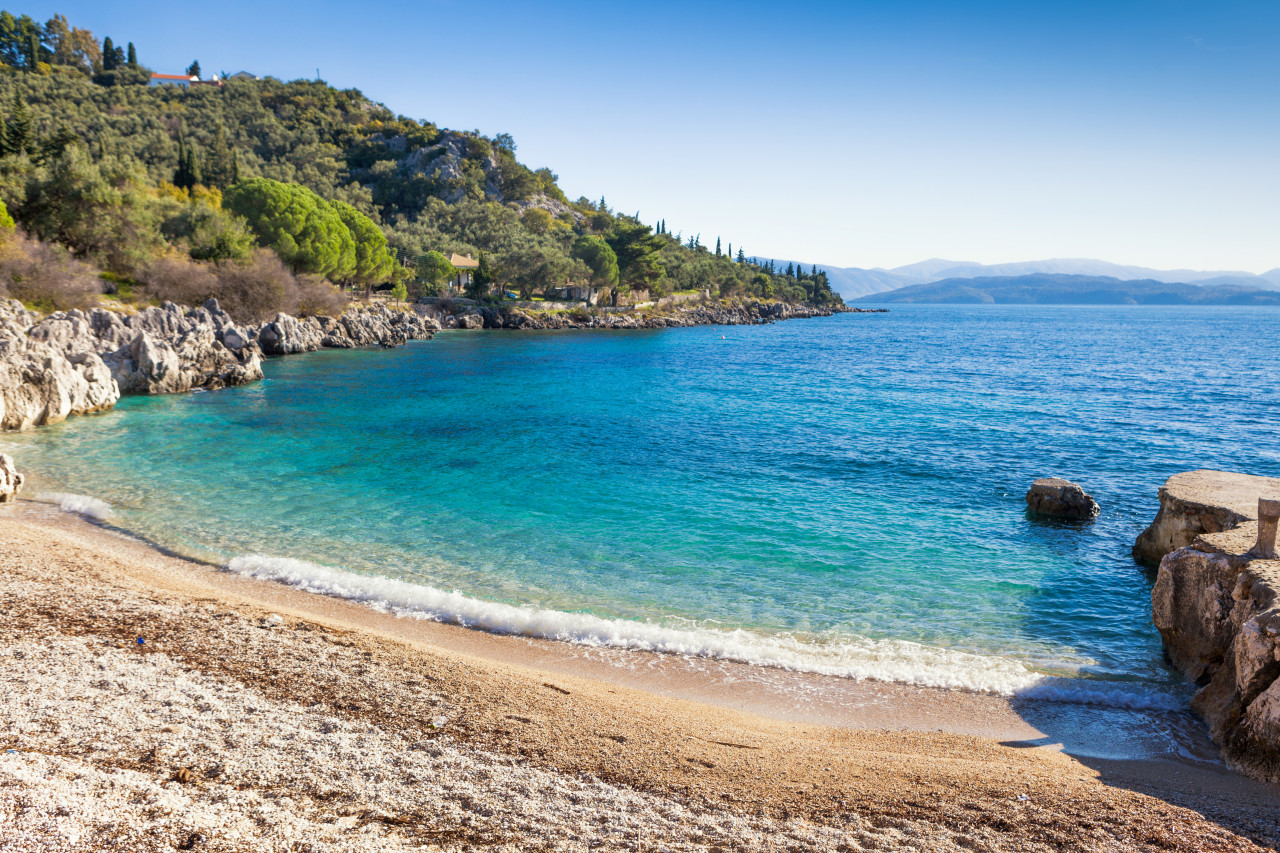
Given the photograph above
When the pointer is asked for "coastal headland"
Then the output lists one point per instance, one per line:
(155, 703)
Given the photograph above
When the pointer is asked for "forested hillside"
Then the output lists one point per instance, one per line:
(205, 178)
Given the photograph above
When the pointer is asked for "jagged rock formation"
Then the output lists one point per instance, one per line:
(1060, 498)
(1193, 503)
(46, 378)
(1217, 607)
(79, 362)
(10, 480)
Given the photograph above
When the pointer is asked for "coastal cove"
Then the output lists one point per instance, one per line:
(711, 491)
(839, 546)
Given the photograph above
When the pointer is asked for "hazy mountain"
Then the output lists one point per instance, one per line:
(1058, 289)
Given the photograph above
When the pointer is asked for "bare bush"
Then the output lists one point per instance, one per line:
(251, 291)
(257, 289)
(316, 297)
(180, 279)
(44, 276)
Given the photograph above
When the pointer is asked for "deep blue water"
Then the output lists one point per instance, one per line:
(843, 495)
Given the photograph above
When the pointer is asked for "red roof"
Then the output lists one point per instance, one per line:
(171, 77)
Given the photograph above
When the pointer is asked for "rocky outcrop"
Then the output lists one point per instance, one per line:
(1193, 503)
(1217, 606)
(10, 480)
(78, 362)
(51, 375)
(1059, 498)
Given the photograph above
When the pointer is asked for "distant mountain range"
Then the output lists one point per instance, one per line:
(1059, 289)
(853, 282)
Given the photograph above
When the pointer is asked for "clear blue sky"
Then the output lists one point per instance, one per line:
(851, 134)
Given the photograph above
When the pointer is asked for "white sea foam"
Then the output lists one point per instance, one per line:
(85, 505)
(880, 660)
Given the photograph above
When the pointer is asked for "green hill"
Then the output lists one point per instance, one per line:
(121, 172)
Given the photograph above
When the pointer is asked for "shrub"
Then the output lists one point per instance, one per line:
(251, 291)
(45, 277)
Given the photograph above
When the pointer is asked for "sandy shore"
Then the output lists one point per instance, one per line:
(255, 717)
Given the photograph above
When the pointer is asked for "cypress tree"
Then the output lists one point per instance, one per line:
(4, 138)
(108, 55)
(186, 174)
(133, 57)
(729, 254)
(33, 51)
(717, 247)
(18, 134)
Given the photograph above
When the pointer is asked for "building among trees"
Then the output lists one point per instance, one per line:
(463, 267)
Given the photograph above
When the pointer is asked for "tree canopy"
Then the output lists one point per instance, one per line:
(304, 230)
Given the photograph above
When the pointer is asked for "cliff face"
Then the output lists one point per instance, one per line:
(1217, 605)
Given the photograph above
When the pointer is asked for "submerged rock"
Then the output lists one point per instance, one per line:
(1216, 602)
(1061, 499)
(10, 480)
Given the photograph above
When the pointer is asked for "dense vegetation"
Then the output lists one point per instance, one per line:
(124, 175)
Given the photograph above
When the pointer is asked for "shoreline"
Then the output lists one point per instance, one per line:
(957, 744)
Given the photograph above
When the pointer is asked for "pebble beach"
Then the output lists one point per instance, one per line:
(152, 703)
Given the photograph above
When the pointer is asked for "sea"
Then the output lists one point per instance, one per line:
(840, 495)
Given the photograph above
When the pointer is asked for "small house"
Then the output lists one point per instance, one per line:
(463, 269)
(184, 80)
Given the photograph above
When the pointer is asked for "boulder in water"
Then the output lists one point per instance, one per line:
(1060, 498)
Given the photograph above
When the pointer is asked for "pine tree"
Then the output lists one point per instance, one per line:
(604, 208)
(133, 57)
(4, 138)
(194, 69)
(18, 134)
(717, 247)
(791, 271)
(108, 54)
(814, 273)
(742, 258)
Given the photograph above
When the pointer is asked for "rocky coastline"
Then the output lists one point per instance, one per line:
(80, 362)
(1216, 602)
(466, 315)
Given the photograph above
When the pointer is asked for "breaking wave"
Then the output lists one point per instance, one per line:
(85, 505)
(856, 658)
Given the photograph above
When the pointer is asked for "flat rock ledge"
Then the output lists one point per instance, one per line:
(1197, 502)
(1217, 606)
(1060, 498)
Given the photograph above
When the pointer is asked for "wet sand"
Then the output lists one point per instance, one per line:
(252, 709)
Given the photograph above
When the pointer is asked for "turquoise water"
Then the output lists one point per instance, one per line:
(841, 495)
